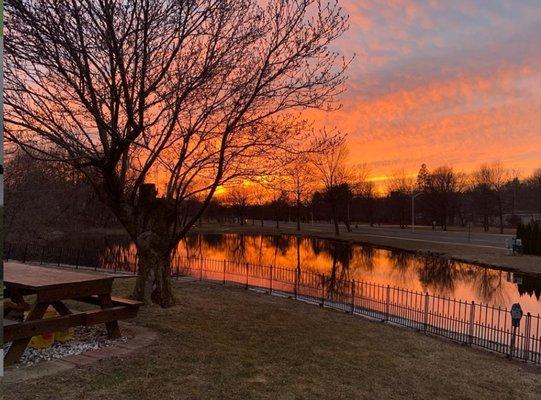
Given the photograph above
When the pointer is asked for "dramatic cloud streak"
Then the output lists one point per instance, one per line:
(443, 83)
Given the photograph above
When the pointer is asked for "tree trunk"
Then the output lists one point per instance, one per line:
(153, 282)
(336, 228)
(348, 219)
(298, 214)
(348, 225)
(500, 212)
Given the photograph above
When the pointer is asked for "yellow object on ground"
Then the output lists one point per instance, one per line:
(47, 339)
(64, 336)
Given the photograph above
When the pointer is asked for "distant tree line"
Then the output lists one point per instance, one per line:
(41, 199)
(490, 197)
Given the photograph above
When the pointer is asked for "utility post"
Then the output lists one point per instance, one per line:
(413, 196)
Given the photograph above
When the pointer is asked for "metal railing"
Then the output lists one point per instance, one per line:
(471, 323)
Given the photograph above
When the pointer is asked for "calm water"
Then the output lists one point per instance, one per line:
(351, 261)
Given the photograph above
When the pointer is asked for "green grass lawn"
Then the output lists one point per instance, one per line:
(229, 343)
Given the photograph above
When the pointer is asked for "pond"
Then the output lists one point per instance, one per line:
(337, 259)
(434, 275)
(345, 261)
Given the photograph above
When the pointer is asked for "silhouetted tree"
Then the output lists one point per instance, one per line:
(192, 93)
(441, 191)
(333, 174)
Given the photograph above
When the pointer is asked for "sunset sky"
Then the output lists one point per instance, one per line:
(442, 82)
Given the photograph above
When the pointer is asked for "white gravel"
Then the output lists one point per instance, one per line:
(86, 338)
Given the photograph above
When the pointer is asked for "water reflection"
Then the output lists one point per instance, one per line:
(530, 286)
(341, 261)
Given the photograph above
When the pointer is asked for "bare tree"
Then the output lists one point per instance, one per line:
(491, 181)
(238, 196)
(197, 93)
(400, 187)
(300, 177)
(333, 173)
(44, 200)
(279, 204)
(441, 191)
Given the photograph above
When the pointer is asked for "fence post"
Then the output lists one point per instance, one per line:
(387, 302)
(425, 317)
(295, 289)
(527, 329)
(322, 290)
(270, 282)
(24, 254)
(352, 296)
(246, 267)
(200, 269)
(513, 341)
(224, 272)
(41, 256)
(472, 323)
(59, 256)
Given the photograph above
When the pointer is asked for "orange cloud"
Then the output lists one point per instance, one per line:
(442, 83)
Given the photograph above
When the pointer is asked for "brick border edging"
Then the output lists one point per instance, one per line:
(142, 337)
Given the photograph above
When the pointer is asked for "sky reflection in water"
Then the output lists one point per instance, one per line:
(396, 268)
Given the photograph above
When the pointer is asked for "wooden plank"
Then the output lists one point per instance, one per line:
(17, 347)
(126, 302)
(75, 290)
(20, 330)
(61, 308)
(113, 330)
(28, 329)
(109, 314)
(120, 301)
(38, 278)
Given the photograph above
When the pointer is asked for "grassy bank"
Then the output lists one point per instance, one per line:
(479, 255)
(229, 343)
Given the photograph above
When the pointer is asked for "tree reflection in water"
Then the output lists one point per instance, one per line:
(438, 275)
(341, 254)
(402, 263)
(488, 284)
(340, 262)
(530, 285)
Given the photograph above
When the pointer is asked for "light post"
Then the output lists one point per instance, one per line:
(413, 196)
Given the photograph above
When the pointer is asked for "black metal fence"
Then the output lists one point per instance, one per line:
(471, 323)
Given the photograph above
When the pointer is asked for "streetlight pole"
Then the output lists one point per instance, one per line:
(413, 196)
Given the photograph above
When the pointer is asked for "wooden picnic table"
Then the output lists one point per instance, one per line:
(52, 287)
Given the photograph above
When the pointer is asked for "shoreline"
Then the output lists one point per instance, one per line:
(480, 255)
(483, 256)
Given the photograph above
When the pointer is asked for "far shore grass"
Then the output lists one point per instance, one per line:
(225, 342)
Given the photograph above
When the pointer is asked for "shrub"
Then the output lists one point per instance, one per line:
(530, 234)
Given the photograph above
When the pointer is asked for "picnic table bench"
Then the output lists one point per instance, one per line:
(52, 287)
